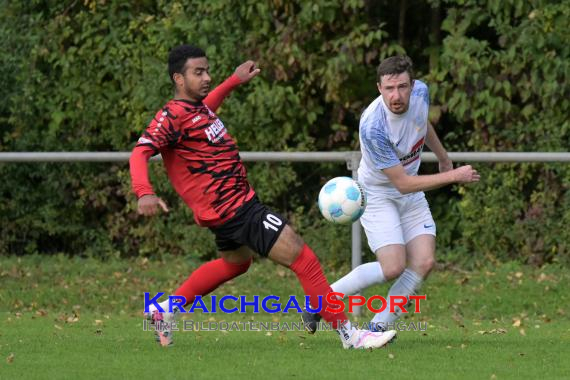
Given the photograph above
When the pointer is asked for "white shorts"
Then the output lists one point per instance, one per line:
(396, 220)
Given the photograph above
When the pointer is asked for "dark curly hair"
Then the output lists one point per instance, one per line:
(179, 55)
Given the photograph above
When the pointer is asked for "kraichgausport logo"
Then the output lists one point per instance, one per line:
(273, 304)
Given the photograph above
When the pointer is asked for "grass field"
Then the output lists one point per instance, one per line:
(80, 318)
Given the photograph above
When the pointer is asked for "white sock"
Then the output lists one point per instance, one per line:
(360, 278)
(163, 304)
(406, 285)
(345, 331)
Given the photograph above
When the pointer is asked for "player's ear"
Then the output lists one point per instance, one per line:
(178, 79)
(379, 85)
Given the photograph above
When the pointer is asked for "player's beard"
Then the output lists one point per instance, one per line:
(197, 95)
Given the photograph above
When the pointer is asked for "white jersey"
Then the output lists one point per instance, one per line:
(388, 139)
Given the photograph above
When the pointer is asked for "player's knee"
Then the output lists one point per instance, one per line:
(425, 266)
(393, 270)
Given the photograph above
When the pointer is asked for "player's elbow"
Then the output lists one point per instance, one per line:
(403, 186)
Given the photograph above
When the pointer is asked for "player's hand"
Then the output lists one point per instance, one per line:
(247, 71)
(466, 174)
(149, 205)
(445, 165)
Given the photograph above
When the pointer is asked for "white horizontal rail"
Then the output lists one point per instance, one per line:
(351, 158)
(289, 156)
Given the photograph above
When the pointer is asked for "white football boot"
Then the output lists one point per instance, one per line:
(163, 325)
(363, 339)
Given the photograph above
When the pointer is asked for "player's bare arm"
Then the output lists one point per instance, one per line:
(410, 184)
(435, 145)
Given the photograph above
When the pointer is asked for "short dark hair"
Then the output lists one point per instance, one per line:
(179, 55)
(397, 64)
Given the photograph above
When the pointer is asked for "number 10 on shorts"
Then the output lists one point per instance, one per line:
(272, 222)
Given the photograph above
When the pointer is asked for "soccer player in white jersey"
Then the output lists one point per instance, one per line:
(397, 221)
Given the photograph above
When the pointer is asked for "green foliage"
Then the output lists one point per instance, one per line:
(508, 92)
(89, 75)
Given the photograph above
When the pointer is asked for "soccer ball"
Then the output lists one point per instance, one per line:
(342, 200)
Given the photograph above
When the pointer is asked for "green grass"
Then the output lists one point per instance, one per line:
(66, 318)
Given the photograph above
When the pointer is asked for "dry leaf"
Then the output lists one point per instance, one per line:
(10, 358)
(493, 331)
(517, 322)
(390, 356)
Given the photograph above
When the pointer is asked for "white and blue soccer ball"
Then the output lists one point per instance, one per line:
(342, 200)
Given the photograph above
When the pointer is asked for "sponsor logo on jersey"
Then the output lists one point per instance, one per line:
(414, 154)
(216, 131)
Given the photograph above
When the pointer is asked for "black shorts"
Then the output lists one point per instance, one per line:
(253, 225)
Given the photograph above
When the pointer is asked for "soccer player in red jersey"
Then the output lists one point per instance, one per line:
(204, 167)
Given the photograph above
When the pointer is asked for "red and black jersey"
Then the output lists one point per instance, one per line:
(200, 156)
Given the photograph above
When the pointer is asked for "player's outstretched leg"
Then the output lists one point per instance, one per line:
(202, 281)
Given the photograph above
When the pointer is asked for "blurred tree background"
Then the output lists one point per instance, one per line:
(87, 75)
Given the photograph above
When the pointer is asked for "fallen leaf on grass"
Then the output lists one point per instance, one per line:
(462, 281)
(41, 313)
(516, 322)
(390, 356)
(72, 319)
(493, 331)
(10, 358)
